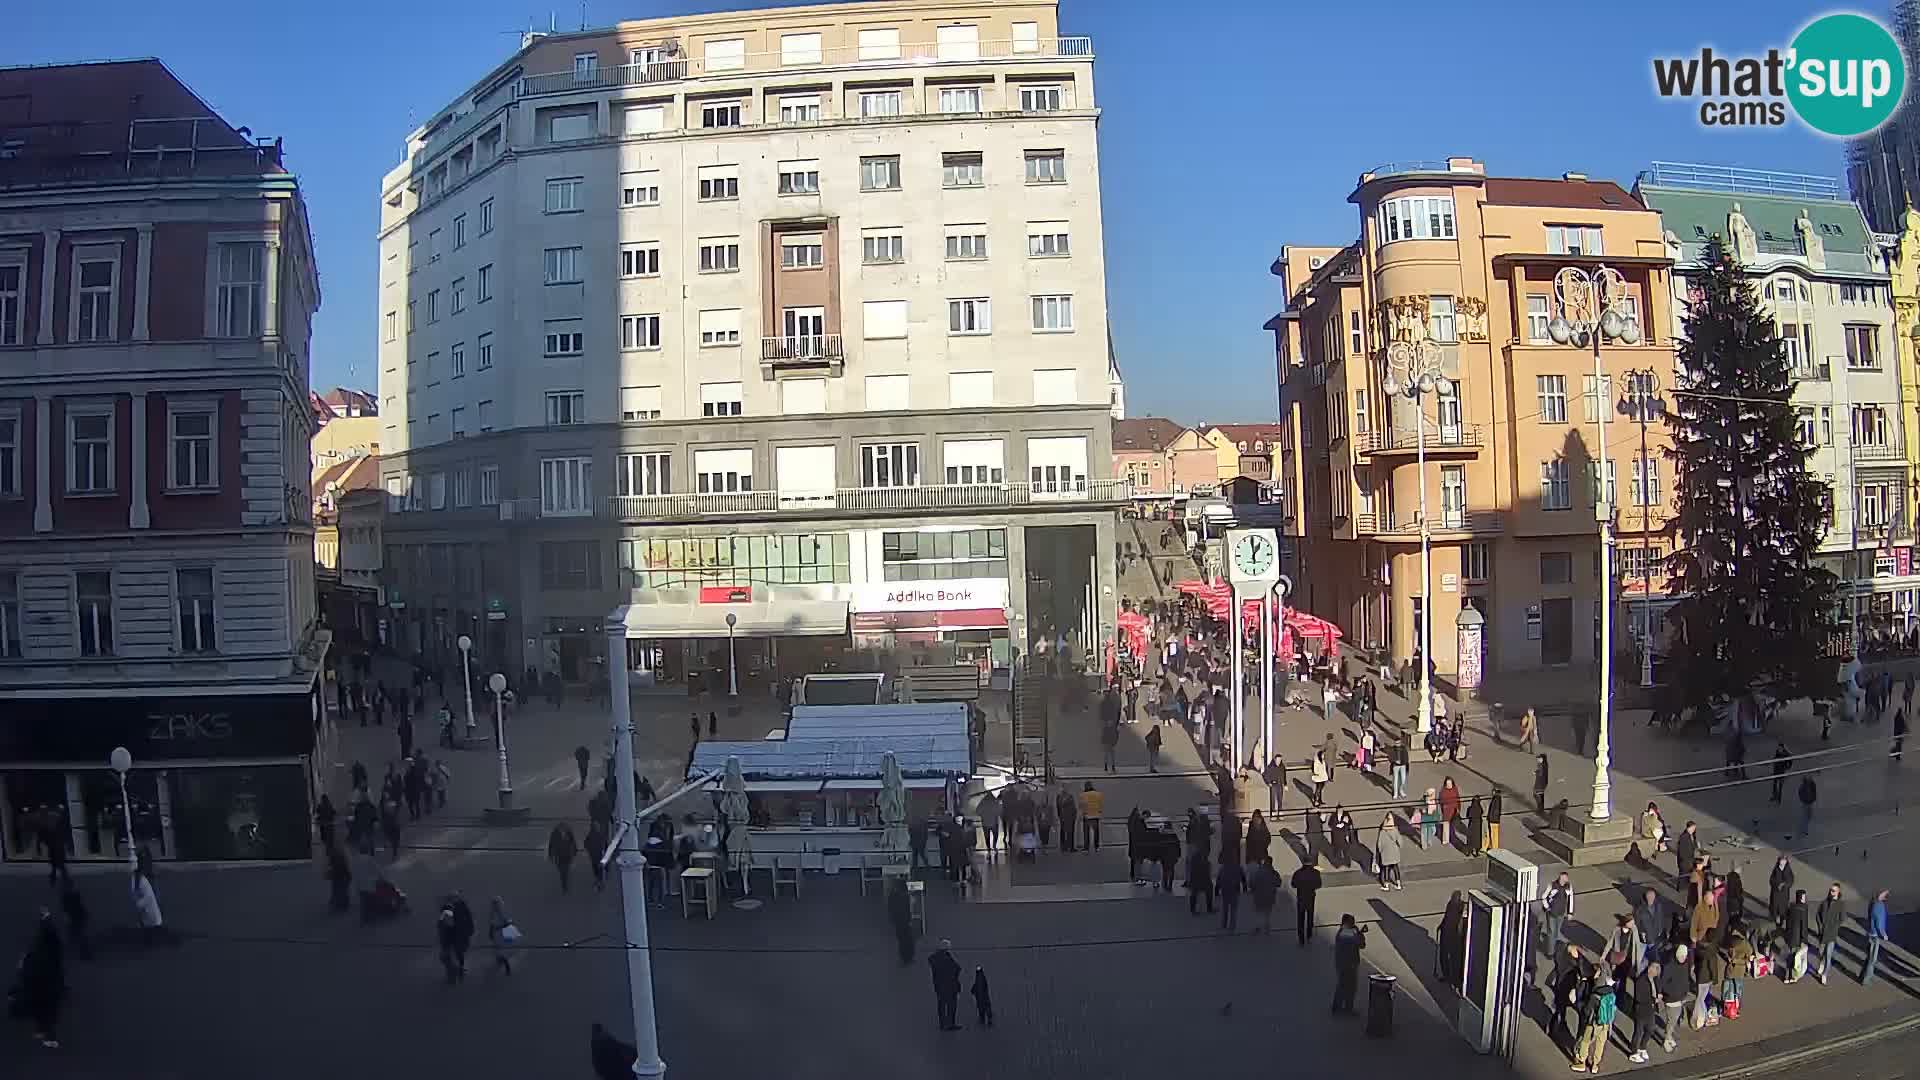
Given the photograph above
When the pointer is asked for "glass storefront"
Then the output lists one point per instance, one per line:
(944, 555)
(204, 812)
(241, 812)
(696, 562)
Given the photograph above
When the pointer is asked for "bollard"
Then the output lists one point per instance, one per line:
(1380, 1005)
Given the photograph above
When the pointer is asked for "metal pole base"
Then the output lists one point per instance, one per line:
(507, 813)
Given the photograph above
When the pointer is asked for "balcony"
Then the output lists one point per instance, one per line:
(807, 352)
(767, 504)
(1438, 439)
(1445, 524)
(686, 67)
(1891, 448)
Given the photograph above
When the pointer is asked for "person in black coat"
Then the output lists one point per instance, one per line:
(1794, 934)
(1540, 774)
(1199, 880)
(1066, 809)
(323, 816)
(946, 985)
(1168, 852)
(1686, 848)
(1780, 891)
(1451, 955)
(1306, 886)
(42, 982)
(1259, 839)
(1833, 915)
(1643, 1013)
(1228, 883)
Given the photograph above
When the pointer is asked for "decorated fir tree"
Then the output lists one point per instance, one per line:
(1754, 611)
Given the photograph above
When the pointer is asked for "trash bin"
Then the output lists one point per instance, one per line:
(1379, 1005)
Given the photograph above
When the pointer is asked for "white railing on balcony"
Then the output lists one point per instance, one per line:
(693, 67)
(929, 497)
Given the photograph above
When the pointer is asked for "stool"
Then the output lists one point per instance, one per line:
(787, 874)
(917, 905)
(701, 878)
(708, 859)
(871, 871)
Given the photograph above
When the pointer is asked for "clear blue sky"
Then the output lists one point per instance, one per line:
(1228, 131)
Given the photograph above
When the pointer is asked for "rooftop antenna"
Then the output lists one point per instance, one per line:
(583, 15)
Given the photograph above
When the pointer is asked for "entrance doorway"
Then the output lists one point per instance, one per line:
(1556, 631)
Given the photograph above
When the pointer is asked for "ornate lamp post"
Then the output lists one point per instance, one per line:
(1413, 369)
(121, 762)
(466, 676)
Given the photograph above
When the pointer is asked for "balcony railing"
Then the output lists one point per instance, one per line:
(1406, 440)
(802, 349)
(1477, 522)
(690, 67)
(1892, 447)
(918, 499)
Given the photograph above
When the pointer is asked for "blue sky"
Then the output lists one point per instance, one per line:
(1226, 133)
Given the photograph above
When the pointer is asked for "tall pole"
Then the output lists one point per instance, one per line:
(1426, 573)
(1602, 783)
(1853, 530)
(466, 677)
(733, 676)
(1235, 616)
(1644, 402)
(1269, 641)
(633, 886)
(499, 685)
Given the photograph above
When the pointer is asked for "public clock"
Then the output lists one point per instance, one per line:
(1253, 555)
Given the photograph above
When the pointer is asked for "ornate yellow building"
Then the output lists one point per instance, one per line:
(1905, 268)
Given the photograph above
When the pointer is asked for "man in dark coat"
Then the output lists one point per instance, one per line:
(1275, 775)
(1264, 884)
(1306, 886)
(946, 985)
(1347, 943)
(1795, 934)
(1782, 765)
(1229, 882)
(42, 982)
(1067, 810)
(561, 849)
(1833, 915)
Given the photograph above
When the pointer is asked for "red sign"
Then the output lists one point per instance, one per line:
(726, 594)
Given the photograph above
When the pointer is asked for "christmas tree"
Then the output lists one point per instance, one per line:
(1754, 612)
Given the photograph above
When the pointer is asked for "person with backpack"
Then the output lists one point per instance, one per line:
(1596, 1023)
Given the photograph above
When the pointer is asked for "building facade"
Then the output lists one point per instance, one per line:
(157, 283)
(767, 315)
(1143, 454)
(1466, 260)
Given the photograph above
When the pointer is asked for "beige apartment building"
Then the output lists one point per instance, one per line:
(1465, 259)
(753, 313)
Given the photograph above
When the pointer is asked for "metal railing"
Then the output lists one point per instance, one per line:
(691, 67)
(1479, 522)
(802, 348)
(1892, 447)
(693, 506)
(161, 148)
(1402, 168)
(1729, 178)
(1406, 439)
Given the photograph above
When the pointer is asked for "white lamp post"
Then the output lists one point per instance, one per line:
(1593, 308)
(506, 813)
(633, 889)
(733, 680)
(466, 676)
(1413, 369)
(121, 761)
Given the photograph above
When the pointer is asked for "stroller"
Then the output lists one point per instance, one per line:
(383, 901)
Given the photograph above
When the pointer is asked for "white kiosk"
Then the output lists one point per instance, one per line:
(1499, 936)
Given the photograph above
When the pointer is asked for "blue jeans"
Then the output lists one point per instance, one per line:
(1399, 781)
(1873, 961)
(1556, 933)
(1730, 988)
(1826, 959)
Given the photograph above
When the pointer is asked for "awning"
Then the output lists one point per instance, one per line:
(917, 783)
(883, 622)
(761, 619)
(793, 786)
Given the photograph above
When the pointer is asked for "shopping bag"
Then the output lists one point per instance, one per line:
(510, 934)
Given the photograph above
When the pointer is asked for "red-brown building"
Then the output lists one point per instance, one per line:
(157, 285)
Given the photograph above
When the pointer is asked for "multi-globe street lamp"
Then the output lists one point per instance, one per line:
(1414, 369)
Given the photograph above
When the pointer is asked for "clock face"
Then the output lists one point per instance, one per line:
(1253, 556)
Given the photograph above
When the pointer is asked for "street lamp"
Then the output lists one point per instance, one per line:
(1414, 369)
(498, 684)
(121, 761)
(466, 676)
(733, 680)
(1594, 308)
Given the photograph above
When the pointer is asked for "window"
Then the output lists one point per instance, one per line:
(719, 255)
(94, 303)
(9, 454)
(1538, 316)
(1040, 99)
(720, 326)
(974, 461)
(1574, 240)
(570, 564)
(1440, 324)
(962, 170)
(483, 284)
(720, 114)
(93, 600)
(486, 216)
(1874, 501)
(1053, 314)
(643, 474)
(193, 594)
(1552, 391)
(801, 252)
(719, 471)
(433, 307)
(459, 231)
(1826, 425)
(10, 615)
(971, 316)
(484, 346)
(1026, 37)
(1863, 348)
(1047, 239)
(585, 67)
(639, 260)
(1554, 493)
(485, 411)
(489, 485)
(1641, 562)
(242, 290)
(719, 182)
(563, 267)
(643, 119)
(413, 251)
(13, 276)
(799, 108)
(887, 392)
(639, 331)
(800, 48)
(1475, 561)
(804, 330)
(566, 407)
(1359, 412)
(1594, 396)
(564, 337)
(1057, 465)
(880, 103)
(389, 324)
(1646, 481)
(800, 178)
(884, 319)
(1803, 427)
(1556, 568)
(801, 396)
(463, 486)
(880, 173)
(1046, 166)
(966, 244)
(1593, 484)
(190, 444)
(886, 246)
(412, 311)
(639, 403)
(89, 450)
(433, 247)
(970, 389)
(1414, 217)
(1869, 425)
(959, 99)
(1354, 334)
(958, 42)
(725, 55)
(890, 465)
(640, 188)
(565, 195)
(566, 485)
(1053, 386)
(883, 44)
(459, 415)
(720, 399)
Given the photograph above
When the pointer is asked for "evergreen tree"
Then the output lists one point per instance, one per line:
(1754, 611)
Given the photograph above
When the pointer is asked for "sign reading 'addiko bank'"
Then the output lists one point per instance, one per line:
(961, 594)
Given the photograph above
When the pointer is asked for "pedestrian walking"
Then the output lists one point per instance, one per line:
(440, 776)
(946, 985)
(1833, 916)
(1320, 776)
(323, 818)
(1200, 883)
(1899, 731)
(1649, 918)
(1153, 748)
(1398, 753)
(1228, 883)
(1275, 776)
(1449, 959)
(1530, 731)
(582, 759)
(1580, 731)
(1558, 906)
(1264, 884)
(503, 935)
(598, 837)
(982, 997)
(1067, 810)
(404, 731)
(561, 849)
(1596, 1023)
(1686, 852)
(390, 824)
(1476, 835)
(988, 811)
(1259, 839)
(1540, 784)
(1092, 803)
(1809, 794)
(713, 725)
(1449, 810)
(1672, 987)
(1644, 1010)
(40, 988)
(1794, 937)
(1386, 854)
(1347, 943)
(1306, 887)
(1782, 765)
(1877, 918)
(339, 881)
(446, 930)
(1494, 811)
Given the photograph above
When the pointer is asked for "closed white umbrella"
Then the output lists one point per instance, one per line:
(893, 810)
(733, 803)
